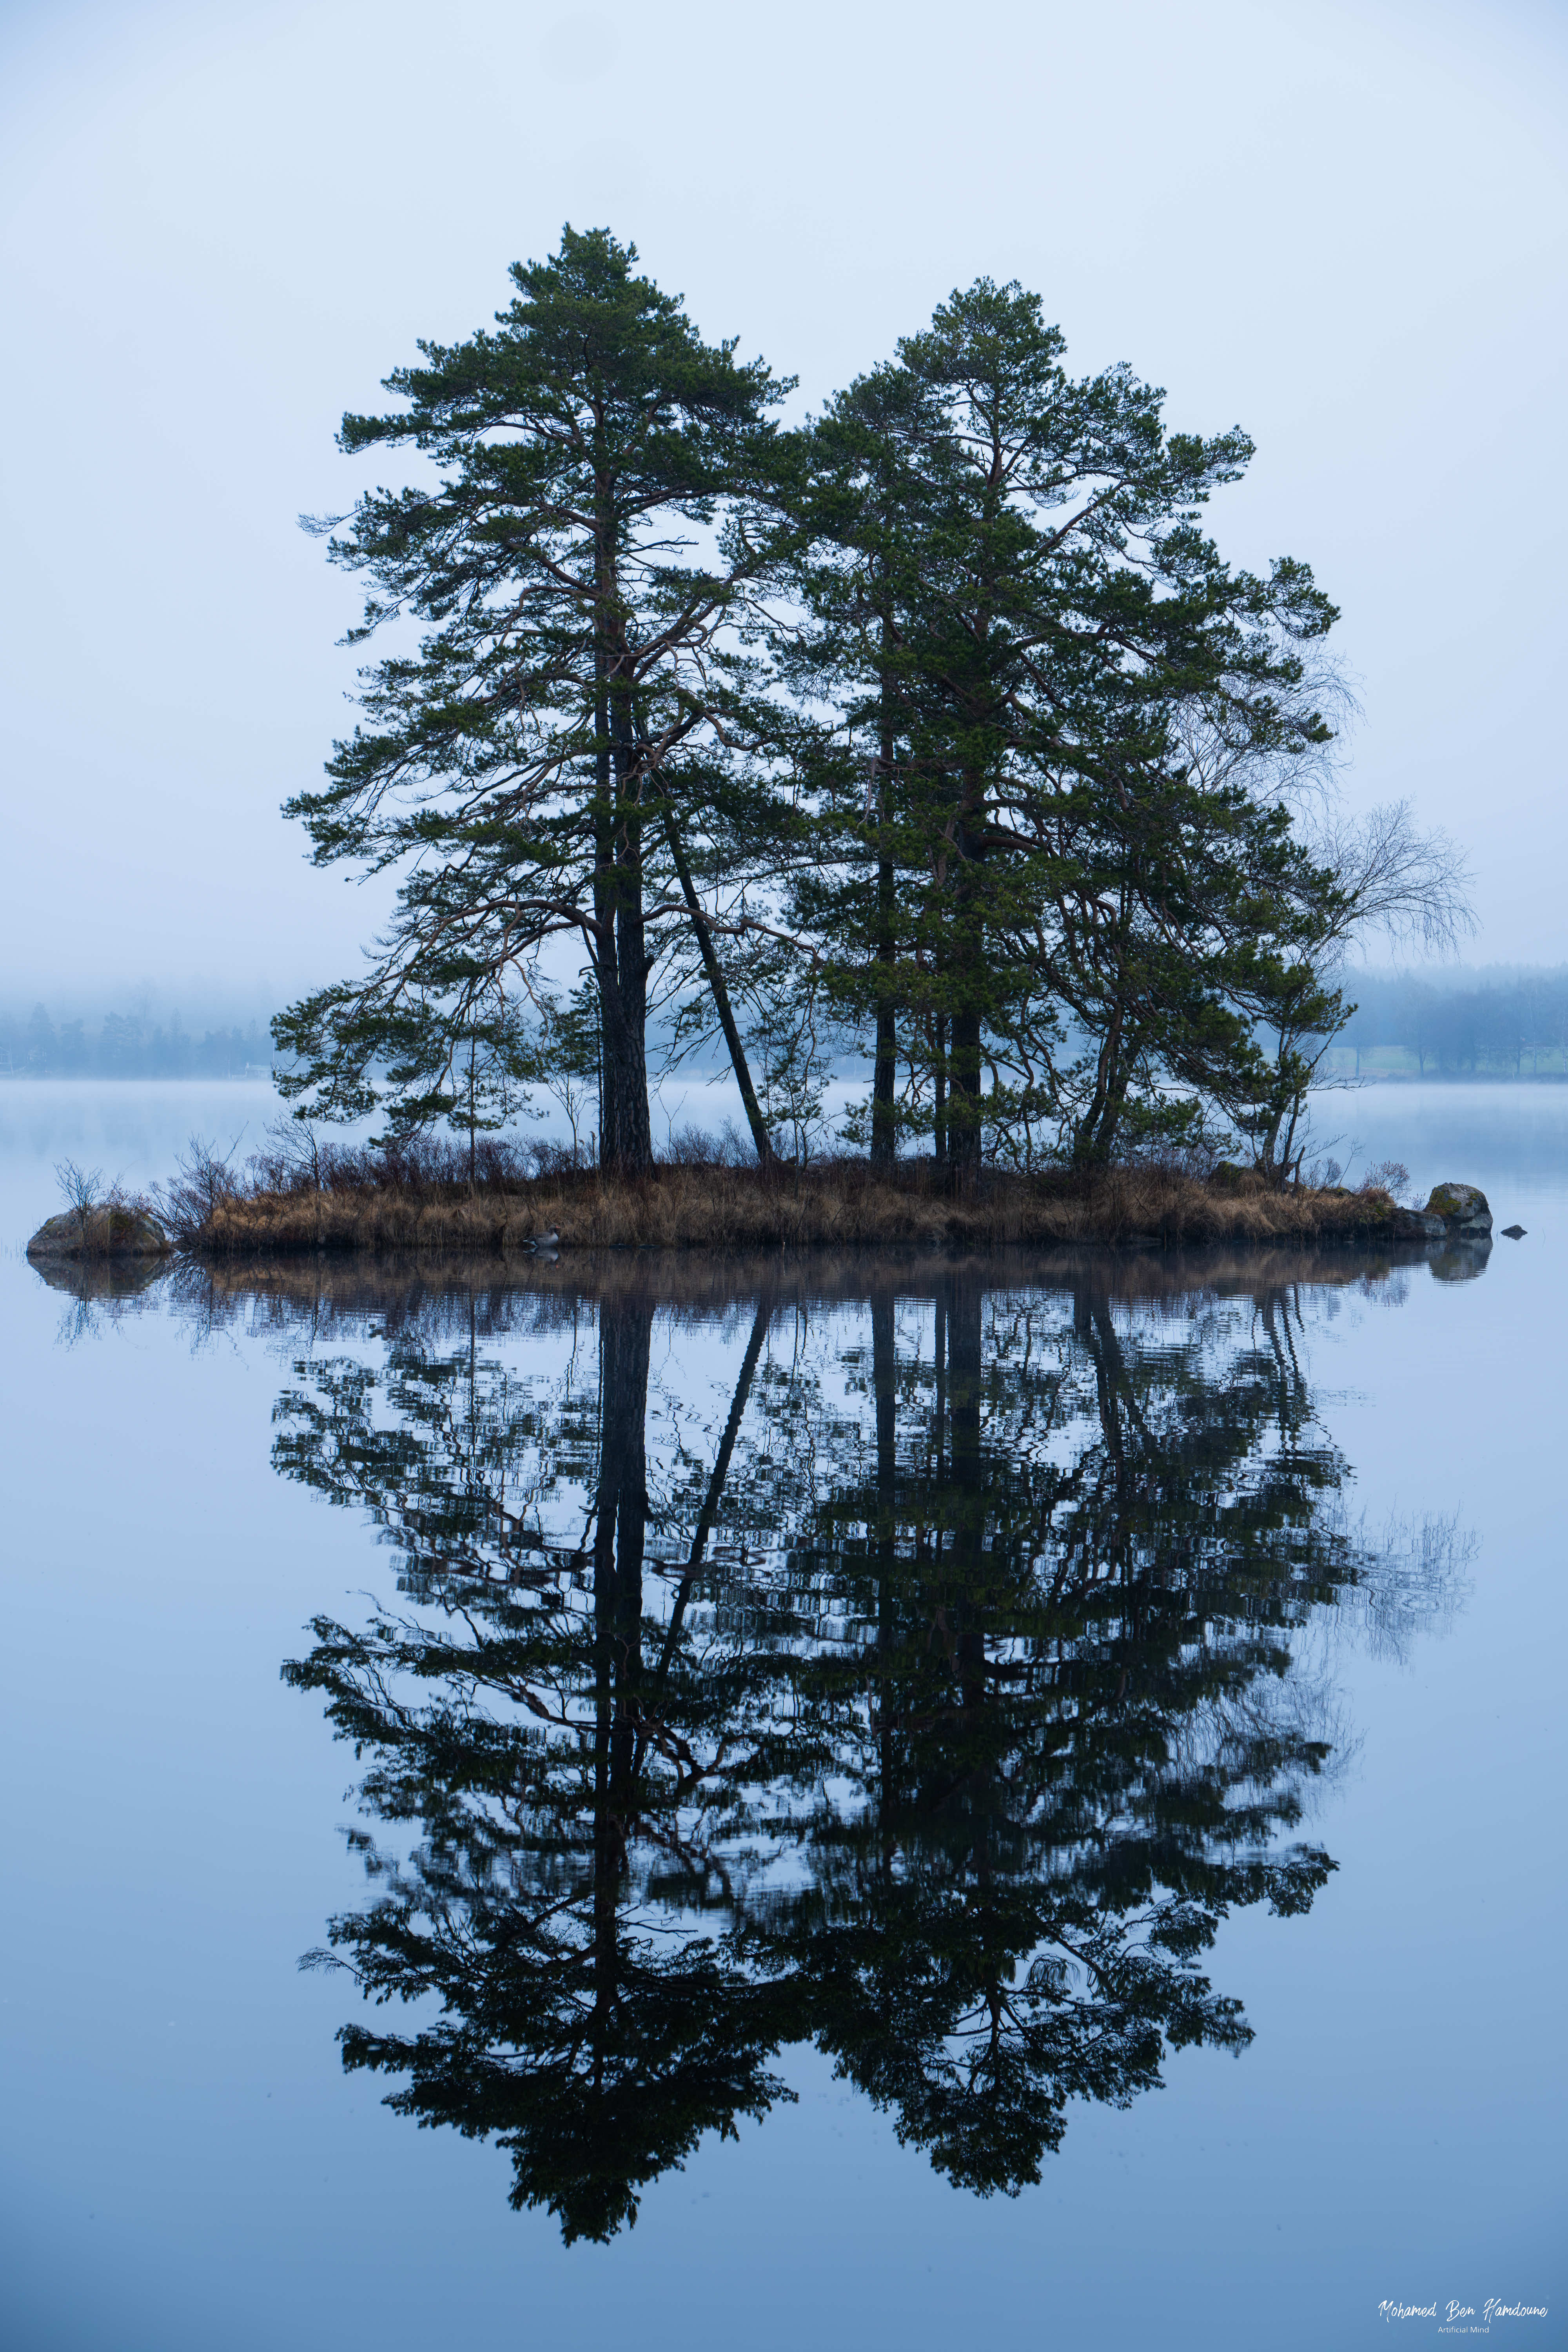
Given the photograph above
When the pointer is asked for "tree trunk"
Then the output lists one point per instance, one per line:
(1095, 1132)
(632, 1137)
(634, 1132)
(884, 1073)
(604, 964)
(965, 959)
(963, 1111)
(884, 1077)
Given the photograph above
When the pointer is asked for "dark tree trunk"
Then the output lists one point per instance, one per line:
(964, 1107)
(965, 960)
(605, 960)
(884, 1075)
(884, 1123)
(1095, 1133)
(634, 1132)
(631, 1152)
(608, 977)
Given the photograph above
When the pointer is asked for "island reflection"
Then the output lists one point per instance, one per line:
(912, 1657)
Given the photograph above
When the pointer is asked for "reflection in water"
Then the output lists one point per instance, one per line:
(934, 1702)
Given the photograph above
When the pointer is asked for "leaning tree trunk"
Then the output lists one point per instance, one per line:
(714, 973)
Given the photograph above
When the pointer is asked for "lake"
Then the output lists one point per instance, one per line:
(1030, 1786)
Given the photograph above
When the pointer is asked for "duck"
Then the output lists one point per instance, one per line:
(543, 1241)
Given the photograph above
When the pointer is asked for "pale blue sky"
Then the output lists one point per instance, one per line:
(1344, 227)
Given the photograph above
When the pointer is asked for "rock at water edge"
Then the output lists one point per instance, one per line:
(103, 1233)
(1462, 1207)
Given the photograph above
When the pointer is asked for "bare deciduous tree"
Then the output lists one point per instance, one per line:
(1390, 879)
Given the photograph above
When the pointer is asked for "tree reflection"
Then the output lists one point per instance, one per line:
(937, 1707)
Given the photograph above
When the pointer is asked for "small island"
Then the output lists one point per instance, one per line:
(929, 738)
(347, 1204)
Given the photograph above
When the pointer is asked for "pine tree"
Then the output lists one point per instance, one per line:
(581, 572)
(1027, 634)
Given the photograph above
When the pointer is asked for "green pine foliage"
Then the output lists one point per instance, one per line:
(937, 730)
(580, 575)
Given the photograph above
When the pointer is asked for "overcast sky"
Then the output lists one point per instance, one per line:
(1342, 228)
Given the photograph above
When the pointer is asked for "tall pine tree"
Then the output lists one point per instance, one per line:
(578, 572)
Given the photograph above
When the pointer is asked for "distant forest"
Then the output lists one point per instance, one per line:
(1505, 1022)
(129, 1045)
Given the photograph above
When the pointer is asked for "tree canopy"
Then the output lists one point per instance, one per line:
(935, 726)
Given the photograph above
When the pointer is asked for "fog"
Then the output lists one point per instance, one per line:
(1342, 228)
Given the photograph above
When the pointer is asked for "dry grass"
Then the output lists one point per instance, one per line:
(841, 1204)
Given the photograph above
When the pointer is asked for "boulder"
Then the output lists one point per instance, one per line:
(103, 1233)
(1463, 1209)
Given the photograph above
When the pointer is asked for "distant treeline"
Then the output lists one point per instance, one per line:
(1507, 1023)
(128, 1045)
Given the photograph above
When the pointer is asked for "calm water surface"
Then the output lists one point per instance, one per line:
(881, 1800)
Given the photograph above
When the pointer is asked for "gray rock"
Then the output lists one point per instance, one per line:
(1463, 1209)
(102, 1233)
(1513, 1233)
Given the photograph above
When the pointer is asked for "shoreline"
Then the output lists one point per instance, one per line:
(429, 1288)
